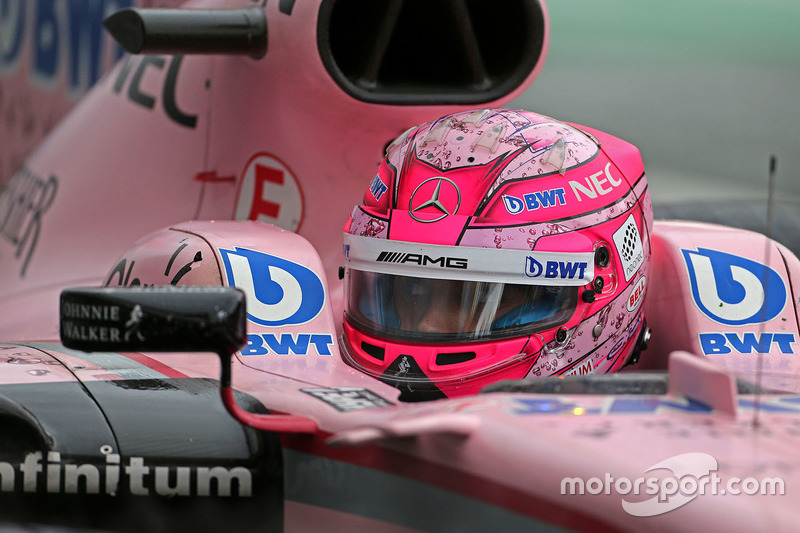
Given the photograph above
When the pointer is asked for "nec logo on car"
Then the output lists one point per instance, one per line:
(279, 292)
(733, 290)
(555, 269)
(422, 260)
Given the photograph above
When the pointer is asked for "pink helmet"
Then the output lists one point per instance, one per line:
(497, 244)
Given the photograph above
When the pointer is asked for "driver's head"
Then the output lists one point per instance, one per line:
(486, 247)
(457, 308)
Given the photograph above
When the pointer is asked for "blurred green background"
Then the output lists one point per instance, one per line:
(707, 89)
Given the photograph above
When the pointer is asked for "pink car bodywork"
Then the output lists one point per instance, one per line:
(255, 165)
(51, 55)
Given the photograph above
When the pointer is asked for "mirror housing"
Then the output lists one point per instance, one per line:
(168, 319)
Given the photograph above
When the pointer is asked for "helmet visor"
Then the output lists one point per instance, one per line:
(413, 309)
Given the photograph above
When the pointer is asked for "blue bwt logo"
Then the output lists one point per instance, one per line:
(733, 290)
(534, 200)
(279, 292)
(555, 269)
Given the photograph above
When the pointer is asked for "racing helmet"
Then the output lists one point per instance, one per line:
(497, 244)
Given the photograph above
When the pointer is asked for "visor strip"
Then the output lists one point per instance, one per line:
(468, 263)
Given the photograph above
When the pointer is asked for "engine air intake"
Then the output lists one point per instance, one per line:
(430, 51)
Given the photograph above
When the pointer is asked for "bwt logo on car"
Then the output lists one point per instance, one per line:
(422, 260)
(555, 269)
(279, 293)
(746, 342)
(734, 290)
(737, 291)
(60, 40)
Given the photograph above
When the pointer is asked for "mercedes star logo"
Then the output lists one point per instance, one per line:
(435, 200)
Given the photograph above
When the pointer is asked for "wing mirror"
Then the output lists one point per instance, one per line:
(168, 319)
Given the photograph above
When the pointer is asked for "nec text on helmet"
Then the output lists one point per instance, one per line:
(595, 184)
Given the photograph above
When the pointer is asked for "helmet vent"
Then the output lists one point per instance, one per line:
(454, 358)
(375, 351)
(430, 51)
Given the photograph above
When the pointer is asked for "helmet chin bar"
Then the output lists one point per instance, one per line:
(405, 374)
(169, 319)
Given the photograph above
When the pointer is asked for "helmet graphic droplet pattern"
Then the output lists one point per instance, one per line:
(440, 254)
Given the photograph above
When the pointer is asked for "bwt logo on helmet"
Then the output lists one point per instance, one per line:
(279, 292)
(733, 290)
(555, 269)
(377, 187)
(422, 260)
(534, 200)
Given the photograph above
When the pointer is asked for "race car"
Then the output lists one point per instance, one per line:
(181, 351)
